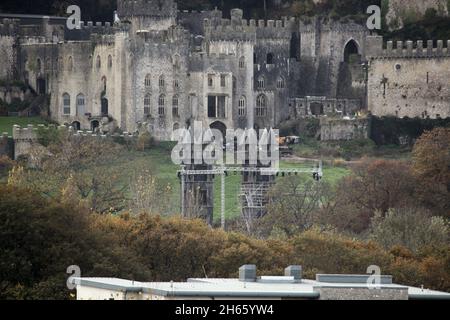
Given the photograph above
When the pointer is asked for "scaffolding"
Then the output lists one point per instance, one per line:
(253, 195)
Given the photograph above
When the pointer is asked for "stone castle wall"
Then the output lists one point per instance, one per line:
(410, 80)
(342, 129)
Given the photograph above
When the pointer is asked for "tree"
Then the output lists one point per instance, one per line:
(40, 238)
(293, 203)
(431, 166)
(80, 167)
(410, 227)
(375, 185)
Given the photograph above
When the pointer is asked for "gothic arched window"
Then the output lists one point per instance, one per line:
(242, 107)
(261, 106)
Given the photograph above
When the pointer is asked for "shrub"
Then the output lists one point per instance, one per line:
(411, 228)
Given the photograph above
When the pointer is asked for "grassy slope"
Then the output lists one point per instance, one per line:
(158, 161)
(6, 123)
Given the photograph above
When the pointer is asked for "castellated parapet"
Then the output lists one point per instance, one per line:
(409, 79)
(407, 49)
(237, 28)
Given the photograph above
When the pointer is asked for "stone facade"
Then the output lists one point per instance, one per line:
(336, 129)
(168, 68)
(410, 79)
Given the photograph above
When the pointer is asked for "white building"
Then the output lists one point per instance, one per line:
(248, 286)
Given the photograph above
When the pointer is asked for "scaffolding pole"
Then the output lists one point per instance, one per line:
(222, 202)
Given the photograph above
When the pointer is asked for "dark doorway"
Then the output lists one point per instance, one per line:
(316, 108)
(104, 107)
(76, 126)
(221, 127)
(351, 51)
(95, 125)
(41, 86)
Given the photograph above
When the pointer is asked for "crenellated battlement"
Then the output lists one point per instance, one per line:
(408, 49)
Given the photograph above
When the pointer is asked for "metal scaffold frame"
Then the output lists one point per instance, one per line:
(223, 171)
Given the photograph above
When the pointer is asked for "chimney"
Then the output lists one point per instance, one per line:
(294, 271)
(247, 273)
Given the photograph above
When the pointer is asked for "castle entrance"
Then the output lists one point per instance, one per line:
(221, 127)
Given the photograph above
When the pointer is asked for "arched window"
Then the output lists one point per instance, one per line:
(280, 83)
(242, 62)
(110, 62)
(70, 64)
(66, 104)
(175, 106)
(176, 62)
(147, 104)
(162, 105)
(261, 106)
(261, 83)
(81, 105)
(242, 107)
(104, 82)
(270, 58)
(176, 84)
(39, 65)
(234, 83)
(162, 82)
(99, 62)
(148, 81)
(210, 80)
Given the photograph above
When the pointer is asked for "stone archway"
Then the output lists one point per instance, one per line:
(218, 125)
(76, 125)
(351, 50)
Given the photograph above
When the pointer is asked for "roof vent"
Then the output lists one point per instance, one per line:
(247, 273)
(294, 271)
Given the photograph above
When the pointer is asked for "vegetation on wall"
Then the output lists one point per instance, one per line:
(395, 131)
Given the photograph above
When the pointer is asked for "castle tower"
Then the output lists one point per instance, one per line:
(148, 14)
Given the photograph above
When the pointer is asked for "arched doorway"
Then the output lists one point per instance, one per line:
(316, 108)
(95, 125)
(351, 51)
(221, 127)
(76, 125)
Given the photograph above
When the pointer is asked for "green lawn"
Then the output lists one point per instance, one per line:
(158, 160)
(6, 123)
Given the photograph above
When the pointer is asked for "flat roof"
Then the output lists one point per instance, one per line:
(200, 287)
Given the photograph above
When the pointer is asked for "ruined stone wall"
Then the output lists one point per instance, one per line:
(6, 146)
(410, 80)
(25, 138)
(343, 129)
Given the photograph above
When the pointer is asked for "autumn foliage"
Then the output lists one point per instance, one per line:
(39, 239)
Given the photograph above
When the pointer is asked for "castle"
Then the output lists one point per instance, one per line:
(162, 68)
